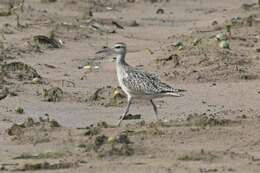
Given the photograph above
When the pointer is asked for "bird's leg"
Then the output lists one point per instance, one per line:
(129, 102)
(155, 110)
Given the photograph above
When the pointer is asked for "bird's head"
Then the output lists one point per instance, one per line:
(118, 49)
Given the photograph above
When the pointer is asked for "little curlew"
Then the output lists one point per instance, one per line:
(138, 84)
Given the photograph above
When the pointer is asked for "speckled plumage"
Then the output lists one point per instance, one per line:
(138, 84)
(143, 84)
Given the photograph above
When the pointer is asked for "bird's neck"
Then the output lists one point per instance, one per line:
(120, 59)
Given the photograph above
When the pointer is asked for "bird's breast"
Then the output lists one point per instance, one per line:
(121, 74)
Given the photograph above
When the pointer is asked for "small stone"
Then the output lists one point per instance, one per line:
(214, 22)
(142, 123)
(36, 80)
(224, 45)
(196, 41)
(100, 140)
(221, 37)
(133, 23)
(165, 121)
(116, 93)
(178, 44)
(256, 157)
(88, 67)
(82, 146)
(54, 123)
(96, 67)
(160, 11)
(123, 139)
(111, 140)
(87, 14)
(180, 48)
(244, 116)
(150, 156)
(102, 124)
(19, 110)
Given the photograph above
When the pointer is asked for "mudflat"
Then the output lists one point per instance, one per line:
(59, 101)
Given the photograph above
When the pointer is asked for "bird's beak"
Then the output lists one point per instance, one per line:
(106, 50)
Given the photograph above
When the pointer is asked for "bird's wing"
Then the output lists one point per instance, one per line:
(153, 76)
(141, 82)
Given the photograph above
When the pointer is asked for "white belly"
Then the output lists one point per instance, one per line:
(120, 75)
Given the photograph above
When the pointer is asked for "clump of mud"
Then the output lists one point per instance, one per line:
(93, 130)
(104, 146)
(204, 120)
(45, 166)
(53, 94)
(101, 143)
(107, 96)
(31, 131)
(18, 70)
(42, 41)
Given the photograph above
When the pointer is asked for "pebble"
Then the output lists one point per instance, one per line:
(150, 156)
(214, 23)
(221, 37)
(36, 80)
(256, 157)
(96, 67)
(88, 67)
(224, 45)
(111, 140)
(160, 11)
(19, 110)
(133, 23)
(116, 93)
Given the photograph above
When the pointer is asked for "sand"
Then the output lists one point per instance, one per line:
(57, 114)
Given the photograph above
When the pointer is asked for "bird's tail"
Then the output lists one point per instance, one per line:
(175, 93)
(179, 90)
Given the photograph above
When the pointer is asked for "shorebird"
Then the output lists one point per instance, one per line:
(138, 84)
